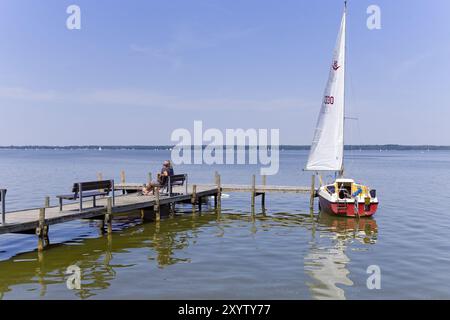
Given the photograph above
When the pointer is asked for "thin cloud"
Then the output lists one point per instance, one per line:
(140, 98)
(168, 56)
(19, 93)
(184, 39)
(411, 63)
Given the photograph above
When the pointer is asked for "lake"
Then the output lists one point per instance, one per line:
(284, 253)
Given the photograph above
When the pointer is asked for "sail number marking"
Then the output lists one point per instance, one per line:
(328, 100)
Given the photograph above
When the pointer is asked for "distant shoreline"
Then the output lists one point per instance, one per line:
(169, 147)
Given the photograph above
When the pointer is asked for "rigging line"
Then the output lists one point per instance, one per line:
(348, 95)
(352, 97)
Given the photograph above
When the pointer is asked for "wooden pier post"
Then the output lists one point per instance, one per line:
(100, 178)
(172, 209)
(216, 183)
(42, 243)
(102, 226)
(47, 202)
(263, 194)
(263, 201)
(313, 192)
(194, 197)
(109, 205)
(42, 230)
(108, 215)
(122, 180)
(3, 208)
(253, 192)
(219, 194)
(156, 207)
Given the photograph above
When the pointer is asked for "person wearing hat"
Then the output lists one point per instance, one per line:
(166, 171)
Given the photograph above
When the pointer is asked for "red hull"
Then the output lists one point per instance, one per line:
(347, 209)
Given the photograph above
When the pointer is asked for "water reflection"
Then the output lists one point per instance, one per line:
(158, 245)
(327, 262)
(94, 256)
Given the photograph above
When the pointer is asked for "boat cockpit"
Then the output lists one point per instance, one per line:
(345, 189)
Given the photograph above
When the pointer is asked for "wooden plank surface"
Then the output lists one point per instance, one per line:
(229, 188)
(264, 188)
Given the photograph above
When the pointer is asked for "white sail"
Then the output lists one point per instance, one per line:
(328, 143)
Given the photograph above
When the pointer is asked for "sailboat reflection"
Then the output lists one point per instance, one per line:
(327, 261)
(104, 260)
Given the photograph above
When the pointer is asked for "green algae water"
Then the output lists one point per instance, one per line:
(283, 253)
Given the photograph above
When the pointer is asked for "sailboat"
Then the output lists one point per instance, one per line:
(343, 197)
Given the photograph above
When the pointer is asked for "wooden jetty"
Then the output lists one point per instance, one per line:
(151, 207)
(28, 220)
(227, 188)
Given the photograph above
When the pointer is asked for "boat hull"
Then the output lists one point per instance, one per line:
(347, 209)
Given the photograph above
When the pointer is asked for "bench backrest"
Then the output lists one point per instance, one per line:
(106, 185)
(177, 179)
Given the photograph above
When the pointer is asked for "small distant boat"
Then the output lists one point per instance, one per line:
(99, 148)
(343, 197)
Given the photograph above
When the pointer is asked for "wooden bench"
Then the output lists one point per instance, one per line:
(89, 189)
(2, 200)
(175, 180)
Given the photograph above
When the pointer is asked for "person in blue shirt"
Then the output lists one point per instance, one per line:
(166, 171)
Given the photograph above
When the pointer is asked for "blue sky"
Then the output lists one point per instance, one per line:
(137, 70)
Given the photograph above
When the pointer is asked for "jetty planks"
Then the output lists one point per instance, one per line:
(229, 188)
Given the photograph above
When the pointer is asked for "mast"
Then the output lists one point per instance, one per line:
(341, 172)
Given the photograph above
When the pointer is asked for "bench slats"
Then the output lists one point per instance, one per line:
(175, 180)
(92, 185)
(88, 189)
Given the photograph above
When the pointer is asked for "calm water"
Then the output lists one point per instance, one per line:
(283, 254)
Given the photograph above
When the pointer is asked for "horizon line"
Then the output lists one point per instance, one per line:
(389, 146)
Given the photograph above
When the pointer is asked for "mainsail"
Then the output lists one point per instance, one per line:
(327, 147)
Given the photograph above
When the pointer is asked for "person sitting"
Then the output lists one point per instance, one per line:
(166, 171)
(171, 172)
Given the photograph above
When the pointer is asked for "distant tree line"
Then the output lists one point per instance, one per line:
(282, 147)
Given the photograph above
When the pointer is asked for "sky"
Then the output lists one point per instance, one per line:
(137, 70)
